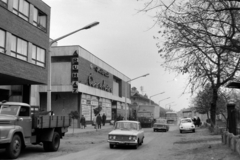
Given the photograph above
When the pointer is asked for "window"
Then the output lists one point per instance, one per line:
(2, 41)
(24, 112)
(19, 48)
(5, 1)
(38, 56)
(21, 8)
(39, 19)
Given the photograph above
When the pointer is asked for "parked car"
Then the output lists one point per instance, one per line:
(126, 133)
(186, 124)
(160, 124)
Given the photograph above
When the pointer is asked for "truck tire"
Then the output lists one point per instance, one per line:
(54, 145)
(14, 148)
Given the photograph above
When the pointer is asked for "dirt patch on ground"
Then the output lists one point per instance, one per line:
(202, 146)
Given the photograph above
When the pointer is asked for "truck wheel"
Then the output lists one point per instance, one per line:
(54, 145)
(14, 148)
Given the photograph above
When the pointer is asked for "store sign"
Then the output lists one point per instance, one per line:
(74, 74)
(100, 85)
(101, 71)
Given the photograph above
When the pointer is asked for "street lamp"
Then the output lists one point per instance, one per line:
(153, 96)
(126, 86)
(163, 100)
(160, 106)
(49, 82)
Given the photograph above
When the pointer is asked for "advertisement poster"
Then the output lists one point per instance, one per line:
(86, 111)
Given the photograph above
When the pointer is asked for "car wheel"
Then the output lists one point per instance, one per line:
(111, 146)
(193, 130)
(180, 131)
(142, 141)
(154, 130)
(14, 148)
(136, 146)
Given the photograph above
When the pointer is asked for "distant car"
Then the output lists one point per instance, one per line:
(160, 124)
(186, 124)
(126, 133)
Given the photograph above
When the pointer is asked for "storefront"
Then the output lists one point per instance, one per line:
(86, 84)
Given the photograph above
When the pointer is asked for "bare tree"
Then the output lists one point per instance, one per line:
(200, 38)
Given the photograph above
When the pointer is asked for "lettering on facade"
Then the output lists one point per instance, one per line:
(74, 75)
(100, 85)
(101, 71)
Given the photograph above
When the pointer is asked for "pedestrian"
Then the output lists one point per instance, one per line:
(103, 119)
(194, 121)
(99, 121)
(198, 122)
(94, 122)
(83, 121)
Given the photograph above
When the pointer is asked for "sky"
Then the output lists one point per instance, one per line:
(124, 40)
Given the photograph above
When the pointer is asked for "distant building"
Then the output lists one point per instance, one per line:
(139, 99)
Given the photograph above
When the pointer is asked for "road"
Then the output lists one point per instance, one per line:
(155, 144)
(169, 145)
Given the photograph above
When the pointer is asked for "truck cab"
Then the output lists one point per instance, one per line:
(21, 126)
(15, 117)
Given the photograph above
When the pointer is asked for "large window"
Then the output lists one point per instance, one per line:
(38, 56)
(5, 1)
(2, 41)
(19, 48)
(21, 8)
(39, 19)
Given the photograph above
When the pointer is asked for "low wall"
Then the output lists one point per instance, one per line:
(231, 141)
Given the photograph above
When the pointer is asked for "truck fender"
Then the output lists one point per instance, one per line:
(47, 135)
(18, 130)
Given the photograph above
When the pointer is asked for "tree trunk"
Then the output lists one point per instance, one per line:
(213, 107)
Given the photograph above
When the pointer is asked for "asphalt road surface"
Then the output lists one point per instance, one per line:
(170, 145)
(156, 145)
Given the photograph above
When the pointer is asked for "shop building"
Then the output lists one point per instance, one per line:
(24, 43)
(82, 82)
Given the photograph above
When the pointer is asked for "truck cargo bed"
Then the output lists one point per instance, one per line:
(46, 121)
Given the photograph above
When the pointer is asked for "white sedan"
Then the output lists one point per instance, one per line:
(186, 124)
(126, 133)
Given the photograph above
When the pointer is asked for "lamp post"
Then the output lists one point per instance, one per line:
(153, 96)
(126, 87)
(49, 82)
(163, 100)
(160, 106)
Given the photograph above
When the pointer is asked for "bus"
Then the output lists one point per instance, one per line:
(171, 117)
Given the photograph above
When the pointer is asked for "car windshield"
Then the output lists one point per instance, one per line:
(186, 121)
(126, 126)
(9, 110)
(163, 121)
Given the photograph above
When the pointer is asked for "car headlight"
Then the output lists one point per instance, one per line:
(192, 126)
(114, 137)
(110, 137)
(134, 138)
(130, 138)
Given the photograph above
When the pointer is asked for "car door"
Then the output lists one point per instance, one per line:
(25, 120)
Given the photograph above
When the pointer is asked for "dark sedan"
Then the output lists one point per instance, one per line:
(160, 125)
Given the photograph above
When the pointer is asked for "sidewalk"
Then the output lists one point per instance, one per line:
(89, 128)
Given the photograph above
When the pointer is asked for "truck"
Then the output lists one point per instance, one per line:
(21, 127)
(171, 117)
(147, 113)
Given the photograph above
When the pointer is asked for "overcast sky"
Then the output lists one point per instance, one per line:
(124, 40)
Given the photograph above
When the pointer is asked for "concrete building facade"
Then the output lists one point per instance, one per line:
(82, 82)
(24, 44)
